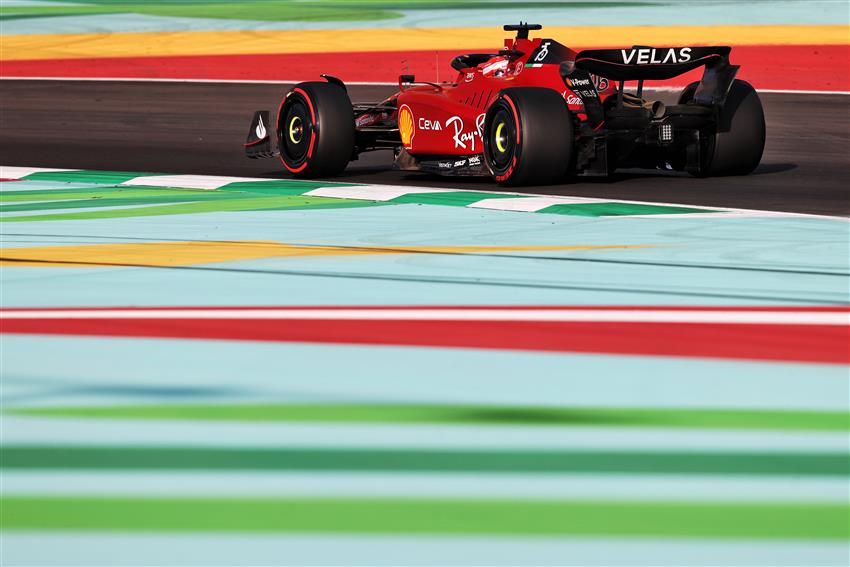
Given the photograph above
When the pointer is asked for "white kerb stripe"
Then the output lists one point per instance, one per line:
(187, 181)
(529, 204)
(13, 172)
(372, 192)
(554, 315)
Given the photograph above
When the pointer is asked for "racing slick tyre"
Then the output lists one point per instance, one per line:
(737, 145)
(528, 137)
(315, 130)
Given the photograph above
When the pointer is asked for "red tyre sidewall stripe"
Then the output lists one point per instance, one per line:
(306, 97)
(512, 168)
(312, 117)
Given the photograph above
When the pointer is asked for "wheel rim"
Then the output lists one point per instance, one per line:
(500, 138)
(296, 130)
(500, 141)
(293, 130)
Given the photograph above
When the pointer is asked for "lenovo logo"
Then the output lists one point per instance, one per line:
(652, 56)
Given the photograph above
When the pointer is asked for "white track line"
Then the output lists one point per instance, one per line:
(208, 433)
(352, 83)
(539, 315)
(609, 487)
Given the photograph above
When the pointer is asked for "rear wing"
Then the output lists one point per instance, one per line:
(642, 63)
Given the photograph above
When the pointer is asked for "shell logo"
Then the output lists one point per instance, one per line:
(405, 125)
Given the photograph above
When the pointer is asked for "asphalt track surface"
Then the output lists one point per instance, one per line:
(199, 128)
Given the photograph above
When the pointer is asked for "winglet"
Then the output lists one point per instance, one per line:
(259, 142)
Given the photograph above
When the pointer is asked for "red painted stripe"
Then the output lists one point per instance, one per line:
(794, 67)
(792, 343)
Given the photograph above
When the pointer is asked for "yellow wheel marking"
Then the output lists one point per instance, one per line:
(294, 129)
(500, 140)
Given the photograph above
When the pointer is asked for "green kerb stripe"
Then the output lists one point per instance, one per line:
(249, 202)
(105, 192)
(279, 186)
(804, 521)
(87, 176)
(467, 414)
(118, 201)
(537, 461)
(260, 188)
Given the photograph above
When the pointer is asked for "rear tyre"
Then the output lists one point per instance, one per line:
(737, 145)
(687, 94)
(528, 137)
(315, 130)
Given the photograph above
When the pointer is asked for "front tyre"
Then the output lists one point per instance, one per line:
(528, 137)
(315, 130)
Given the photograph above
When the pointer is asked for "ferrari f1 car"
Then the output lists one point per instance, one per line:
(534, 112)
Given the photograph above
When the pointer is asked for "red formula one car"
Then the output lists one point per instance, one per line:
(534, 112)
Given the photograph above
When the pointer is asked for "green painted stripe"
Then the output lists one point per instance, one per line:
(267, 10)
(536, 461)
(122, 200)
(618, 209)
(726, 520)
(207, 206)
(453, 198)
(466, 414)
(115, 192)
(87, 176)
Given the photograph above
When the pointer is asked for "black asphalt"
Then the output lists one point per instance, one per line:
(199, 128)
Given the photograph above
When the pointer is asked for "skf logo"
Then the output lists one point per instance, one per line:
(652, 56)
(405, 125)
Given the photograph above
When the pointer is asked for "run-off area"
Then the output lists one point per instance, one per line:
(244, 368)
